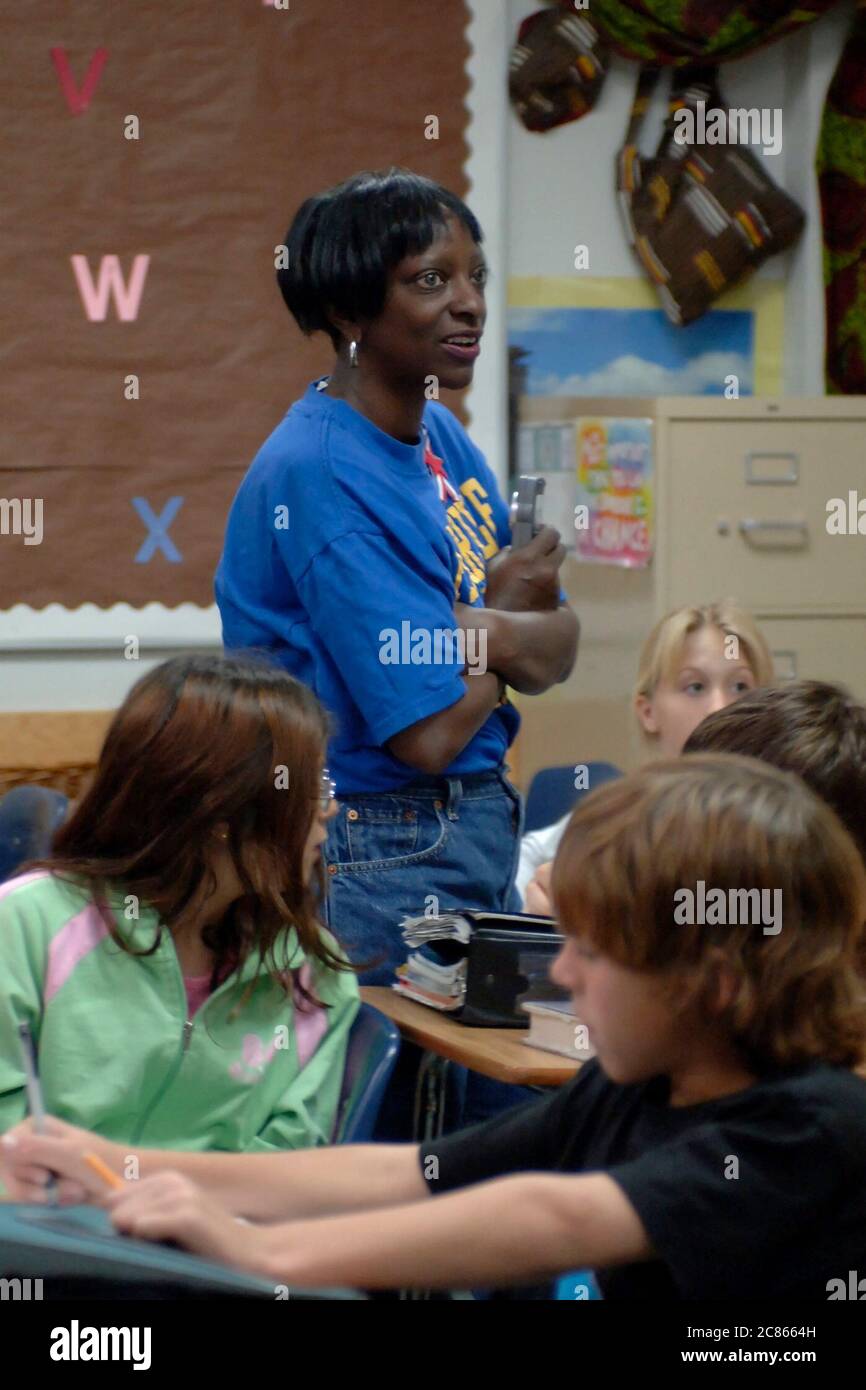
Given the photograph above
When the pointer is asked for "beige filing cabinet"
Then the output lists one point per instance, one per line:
(742, 489)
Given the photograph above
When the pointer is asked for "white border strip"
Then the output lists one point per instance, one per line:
(489, 35)
(93, 629)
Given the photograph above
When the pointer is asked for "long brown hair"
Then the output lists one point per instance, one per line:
(198, 741)
(736, 824)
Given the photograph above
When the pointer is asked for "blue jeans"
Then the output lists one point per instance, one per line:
(437, 844)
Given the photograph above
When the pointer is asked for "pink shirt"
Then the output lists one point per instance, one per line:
(197, 991)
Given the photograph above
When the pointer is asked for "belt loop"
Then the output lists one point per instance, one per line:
(455, 792)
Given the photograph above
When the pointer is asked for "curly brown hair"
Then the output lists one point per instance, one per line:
(633, 845)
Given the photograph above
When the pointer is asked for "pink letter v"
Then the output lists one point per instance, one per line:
(76, 100)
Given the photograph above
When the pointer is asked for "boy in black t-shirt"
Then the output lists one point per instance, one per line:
(713, 912)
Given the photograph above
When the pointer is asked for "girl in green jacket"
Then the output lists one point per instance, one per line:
(167, 955)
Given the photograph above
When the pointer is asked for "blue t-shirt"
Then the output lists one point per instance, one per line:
(344, 562)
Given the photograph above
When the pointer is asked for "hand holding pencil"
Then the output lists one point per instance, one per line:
(102, 1170)
(84, 1166)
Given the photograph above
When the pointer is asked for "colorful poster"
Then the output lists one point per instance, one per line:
(613, 517)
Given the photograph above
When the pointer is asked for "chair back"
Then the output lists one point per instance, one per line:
(29, 817)
(374, 1042)
(552, 792)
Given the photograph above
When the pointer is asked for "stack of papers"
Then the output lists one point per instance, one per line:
(435, 971)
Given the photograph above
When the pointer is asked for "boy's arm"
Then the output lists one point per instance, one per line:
(511, 1230)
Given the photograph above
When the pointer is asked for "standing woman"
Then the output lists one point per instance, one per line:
(363, 550)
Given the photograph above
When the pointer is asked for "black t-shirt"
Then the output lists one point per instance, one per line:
(761, 1194)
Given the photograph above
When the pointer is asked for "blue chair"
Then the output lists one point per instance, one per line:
(581, 1285)
(29, 817)
(552, 792)
(374, 1042)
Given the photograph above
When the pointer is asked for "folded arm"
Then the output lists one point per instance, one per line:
(528, 651)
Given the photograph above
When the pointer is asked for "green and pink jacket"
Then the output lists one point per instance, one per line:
(118, 1053)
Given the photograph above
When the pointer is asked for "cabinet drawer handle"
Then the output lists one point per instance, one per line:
(760, 469)
(751, 528)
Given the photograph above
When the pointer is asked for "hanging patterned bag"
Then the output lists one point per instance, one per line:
(703, 213)
(557, 67)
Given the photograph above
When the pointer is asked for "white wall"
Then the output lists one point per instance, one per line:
(66, 659)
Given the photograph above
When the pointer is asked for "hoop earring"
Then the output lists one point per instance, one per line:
(353, 353)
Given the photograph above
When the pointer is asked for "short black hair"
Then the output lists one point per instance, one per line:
(813, 728)
(343, 243)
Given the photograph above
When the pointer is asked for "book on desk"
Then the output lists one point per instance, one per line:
(481, 968)
(555, 1027)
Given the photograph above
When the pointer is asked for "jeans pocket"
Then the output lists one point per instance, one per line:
(518, 805)
(385, 833)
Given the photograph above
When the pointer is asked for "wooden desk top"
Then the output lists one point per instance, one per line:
(497, 1052)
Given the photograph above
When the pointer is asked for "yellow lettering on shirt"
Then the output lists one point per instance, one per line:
(476, 530)
(460, 517)
(470, 523)
(472, 561)
(475, 495)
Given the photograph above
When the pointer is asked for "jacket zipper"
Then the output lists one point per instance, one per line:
(185, 1039)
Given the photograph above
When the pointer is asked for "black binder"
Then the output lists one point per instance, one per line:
(508, 964)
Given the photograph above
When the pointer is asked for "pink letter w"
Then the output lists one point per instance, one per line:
(95, 297)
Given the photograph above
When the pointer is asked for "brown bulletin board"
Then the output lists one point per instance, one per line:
(245, 110)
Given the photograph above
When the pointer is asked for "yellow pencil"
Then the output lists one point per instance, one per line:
(103, 1171)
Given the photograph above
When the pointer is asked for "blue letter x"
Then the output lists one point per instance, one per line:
(158, 528)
